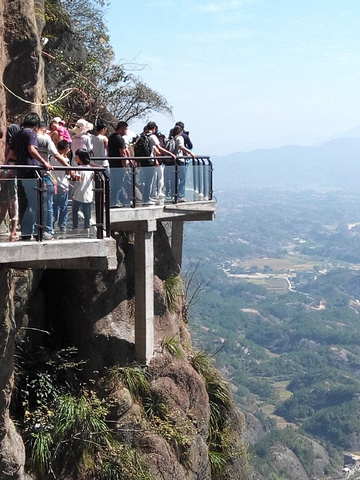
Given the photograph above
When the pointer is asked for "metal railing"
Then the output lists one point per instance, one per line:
(29, 189)
(132, 185)
(142, 182)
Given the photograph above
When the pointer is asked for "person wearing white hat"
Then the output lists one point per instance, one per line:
(81, 139)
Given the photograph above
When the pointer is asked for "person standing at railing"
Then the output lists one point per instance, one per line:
(120, 180)
(196, 170)
(24, 150)
(181, 152)
(186, 135)
(47, 148)
(100, 144)
(81, 139)
(83, 194)
(61, 197)
(155, 150)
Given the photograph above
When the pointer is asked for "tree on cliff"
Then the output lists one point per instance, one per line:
(79, 57)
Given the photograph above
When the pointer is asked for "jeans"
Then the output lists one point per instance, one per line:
(120, 186)
(61, 207)
(181, 179)
(85, 208)
(28, 205)
(48, 211)
(147, 174)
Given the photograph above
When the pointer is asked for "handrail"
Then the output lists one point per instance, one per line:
(202, 175)
(196, 179)
(101, 194)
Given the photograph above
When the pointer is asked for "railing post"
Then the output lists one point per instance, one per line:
(107, 204)
(133, 184)
(99, 206)
(176, 193)
(40, 207)
(210, 179)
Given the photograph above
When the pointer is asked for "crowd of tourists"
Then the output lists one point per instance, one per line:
(36, 143)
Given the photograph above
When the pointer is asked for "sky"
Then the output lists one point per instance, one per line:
(245, 74)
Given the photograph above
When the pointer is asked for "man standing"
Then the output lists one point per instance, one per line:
(181, 150)
(156, 149)
(100, 144)
(23, 149)
(120, 177)
(100, 140)
(117, 146)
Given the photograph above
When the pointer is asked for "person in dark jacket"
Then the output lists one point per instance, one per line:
(185, 135)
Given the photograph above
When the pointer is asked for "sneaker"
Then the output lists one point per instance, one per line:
(63, 229)
(181, 200)
(47, 236)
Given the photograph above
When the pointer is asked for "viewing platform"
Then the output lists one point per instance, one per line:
(178, 193)
(117, 206)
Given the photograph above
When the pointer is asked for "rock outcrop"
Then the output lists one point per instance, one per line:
(23, 68)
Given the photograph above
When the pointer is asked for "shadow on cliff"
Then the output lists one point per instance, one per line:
(95, 311)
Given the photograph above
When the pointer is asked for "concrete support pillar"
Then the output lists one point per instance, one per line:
(144, 296)
(177, 231)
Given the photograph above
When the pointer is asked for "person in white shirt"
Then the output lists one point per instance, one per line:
(81, 138)
(156, 150)
(61, 197)
(181, 151)
(100, 145)
(83, 193)
(46, 148)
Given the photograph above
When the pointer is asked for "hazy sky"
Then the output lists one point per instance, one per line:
(244, 74)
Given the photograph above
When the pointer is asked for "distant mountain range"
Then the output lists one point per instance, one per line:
(353, 133)
(335, 164)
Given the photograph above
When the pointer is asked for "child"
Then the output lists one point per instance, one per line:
(83, 189)
(61, 198)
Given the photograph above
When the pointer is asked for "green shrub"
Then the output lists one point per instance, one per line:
(173, 288)
(173, 346)
(134, 378)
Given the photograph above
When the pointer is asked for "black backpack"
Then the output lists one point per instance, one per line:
(142, 147)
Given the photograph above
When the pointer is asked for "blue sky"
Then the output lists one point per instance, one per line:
(245, 74)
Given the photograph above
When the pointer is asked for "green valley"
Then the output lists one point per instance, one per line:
(277, 306)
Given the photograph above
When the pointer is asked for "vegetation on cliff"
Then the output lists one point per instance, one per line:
(80, 61)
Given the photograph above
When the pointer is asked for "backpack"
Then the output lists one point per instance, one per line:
(142, 147)
(170, 145)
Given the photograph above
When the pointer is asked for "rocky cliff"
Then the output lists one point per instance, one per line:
(168, 424)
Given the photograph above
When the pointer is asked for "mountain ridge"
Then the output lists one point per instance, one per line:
(322, 166)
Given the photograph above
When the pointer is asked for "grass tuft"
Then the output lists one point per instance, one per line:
(173, 288)
(173, 346)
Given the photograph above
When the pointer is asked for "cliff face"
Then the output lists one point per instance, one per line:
(21, 64)
(23, 69)
(93, 311)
